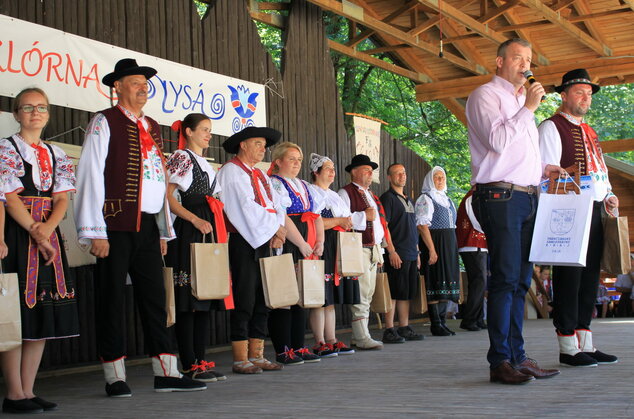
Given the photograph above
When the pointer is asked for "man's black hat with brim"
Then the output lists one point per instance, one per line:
(232, 144)
(127, 67)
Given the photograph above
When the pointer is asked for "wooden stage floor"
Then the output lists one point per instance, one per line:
(435, 378)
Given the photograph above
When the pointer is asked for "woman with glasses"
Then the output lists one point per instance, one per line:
(37, 178)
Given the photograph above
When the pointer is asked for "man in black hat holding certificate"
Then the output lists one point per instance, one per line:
(566, 140)
(121, 212)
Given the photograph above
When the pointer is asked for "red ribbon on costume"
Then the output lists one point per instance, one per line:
(256, 174)
(271, 167)
(40, 208)
(145, 139)
(309, 218)
(177, 126)
(595, 158)
(43, 162)
(216, 208)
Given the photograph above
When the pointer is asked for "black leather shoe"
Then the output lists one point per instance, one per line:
(437, 330)
(451, 332)
(391, 336)
(45, 404)
(602, 358)
(409, 334)
(482, 324)
(470, 327)
(118, 389)
(506, 374)
(21, 406)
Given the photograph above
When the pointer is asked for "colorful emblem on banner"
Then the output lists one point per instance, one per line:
(245, 104)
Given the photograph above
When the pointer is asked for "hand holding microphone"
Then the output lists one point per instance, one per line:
(535, 94)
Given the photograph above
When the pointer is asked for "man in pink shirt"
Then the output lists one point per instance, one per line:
(506, 169)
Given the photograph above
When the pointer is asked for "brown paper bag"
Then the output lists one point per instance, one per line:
(419, 303)
(210, 270)
(170, 302)
(311, 283)
(464, 282)
(349, 254)
(10, 318)
(279, 281)
(616, 246)
(382, 299)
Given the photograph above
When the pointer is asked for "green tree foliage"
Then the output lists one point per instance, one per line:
(429, 128)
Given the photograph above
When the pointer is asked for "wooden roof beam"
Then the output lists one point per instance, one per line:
(464, 19)
(616, 146)
(492, 14)
(272, 19)
(356, 13)
(629, 3)
(369, 32)
(583, 8)
(547, 75)
(599, 47)
(367, 58)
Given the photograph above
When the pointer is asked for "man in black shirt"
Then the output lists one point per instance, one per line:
(404, 261)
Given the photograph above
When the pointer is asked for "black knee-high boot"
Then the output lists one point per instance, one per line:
(436, 323)
(442, 313)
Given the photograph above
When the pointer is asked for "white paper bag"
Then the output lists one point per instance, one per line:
(562, 229)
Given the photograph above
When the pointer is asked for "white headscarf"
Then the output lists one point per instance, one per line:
(440, 196)
(316, 161)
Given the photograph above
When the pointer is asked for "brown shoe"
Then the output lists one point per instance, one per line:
(240, 363)
(506, 374)
(256, 356)
(245, 367)
(530, 367)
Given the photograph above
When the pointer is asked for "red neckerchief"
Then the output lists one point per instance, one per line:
(255, 174)
(145, 139)
(595, 157)
(43, 162)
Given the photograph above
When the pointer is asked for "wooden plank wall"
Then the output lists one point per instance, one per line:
(226, 42)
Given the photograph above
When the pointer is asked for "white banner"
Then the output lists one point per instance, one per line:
(367, 134)
(69, 68)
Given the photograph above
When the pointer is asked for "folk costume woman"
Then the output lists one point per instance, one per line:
(436, 221)
(37, 179)
(338, 289)
(305, 239)
(198, 213)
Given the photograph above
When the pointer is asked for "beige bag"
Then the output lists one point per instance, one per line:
(10, 318)
(279, 281)
(419, 303)
(616, 246)
(170, 302)
(210, 276)
(349, 253)
(382, 299)
(311, 283)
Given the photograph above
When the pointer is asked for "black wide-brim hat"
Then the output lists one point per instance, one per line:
(361, 160)
(127, 67)
(578, 76)
(232, 144)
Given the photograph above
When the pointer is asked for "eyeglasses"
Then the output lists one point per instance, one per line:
(31, 108)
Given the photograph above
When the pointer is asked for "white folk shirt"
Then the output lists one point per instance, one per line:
(551, 149)
(253, 221)
(91, 183)
(359, 221)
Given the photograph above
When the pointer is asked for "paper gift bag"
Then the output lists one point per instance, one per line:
(616, 246)
(562, 229)
(349, 254)
(210, 270)
(170, 302)
(382, 299)
(419, 303)
(311, 283)
(279, 281)
(10, 323)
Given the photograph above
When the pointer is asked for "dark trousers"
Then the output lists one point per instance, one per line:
(507, 218)
(192, 335)
(139, 254)
(287, 328)
(248, 319)
(475, 264)
(575, 288)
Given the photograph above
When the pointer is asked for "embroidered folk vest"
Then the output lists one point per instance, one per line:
(357, 204)
(124, 171)
(466, 235)
(572, 147)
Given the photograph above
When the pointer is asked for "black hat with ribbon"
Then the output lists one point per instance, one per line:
(232, 144)
(578, 76)
(127, 67)
(361, 160)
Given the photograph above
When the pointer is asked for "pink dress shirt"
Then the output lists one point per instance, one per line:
(503, 137)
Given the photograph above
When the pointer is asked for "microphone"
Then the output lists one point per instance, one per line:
(531, 79)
